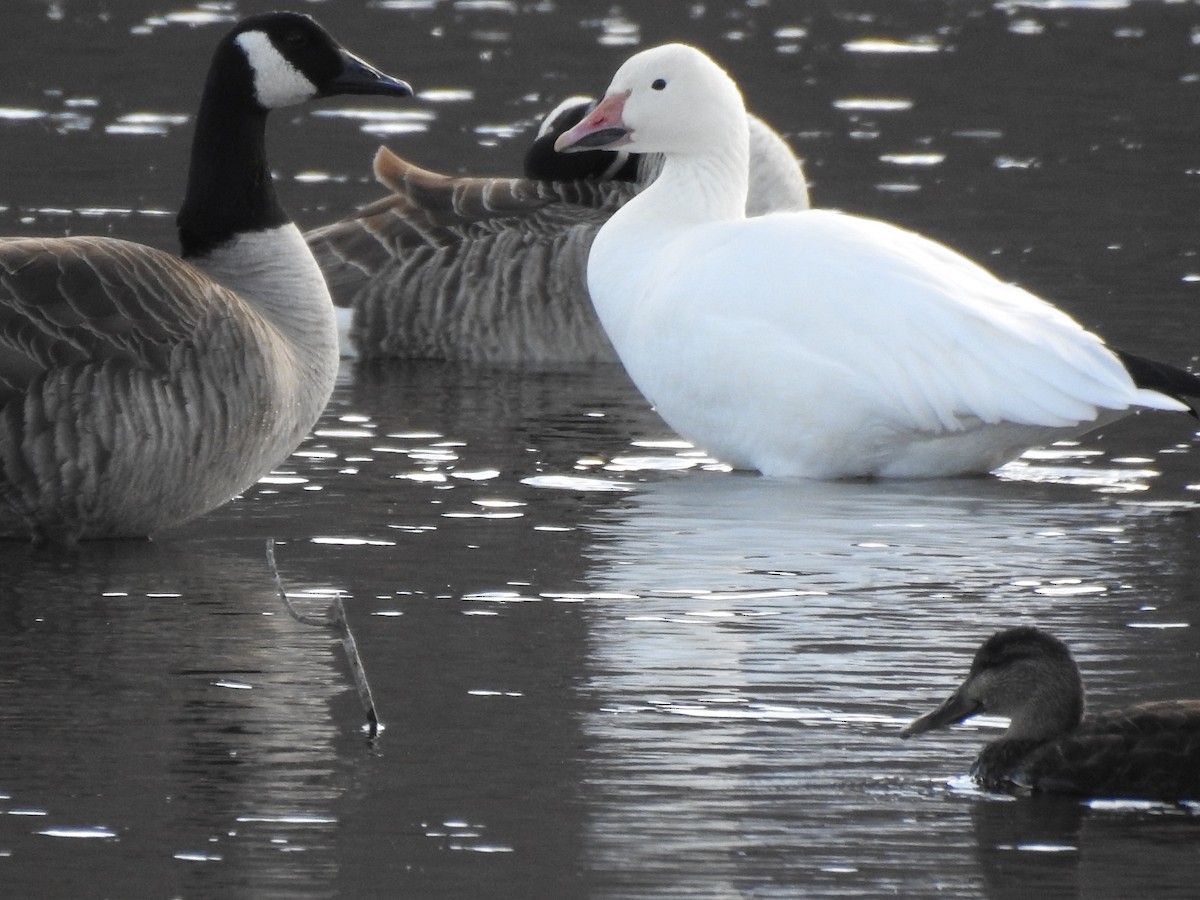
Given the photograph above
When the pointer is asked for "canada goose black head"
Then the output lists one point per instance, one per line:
(544, 163)
(139, 390)
(289, 59)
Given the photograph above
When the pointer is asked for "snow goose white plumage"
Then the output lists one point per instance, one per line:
(815, 343)
(139, 389)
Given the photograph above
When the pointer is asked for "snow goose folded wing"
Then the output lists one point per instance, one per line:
(491, 270)
(139, 389)
(816, 343)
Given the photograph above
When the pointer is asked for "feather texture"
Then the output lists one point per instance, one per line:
(143, 392)
(472, 269)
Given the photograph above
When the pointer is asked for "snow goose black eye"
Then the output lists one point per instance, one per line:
(658, 84)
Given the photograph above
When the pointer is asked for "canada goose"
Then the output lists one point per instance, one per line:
(138, 389)
(818, 344)
(1148, 751)
(491, 270)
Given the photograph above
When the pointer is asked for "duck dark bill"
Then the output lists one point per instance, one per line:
(958, 706)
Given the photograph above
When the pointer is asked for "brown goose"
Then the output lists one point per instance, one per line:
(138, 389)
(491, 270)
(1148, 751)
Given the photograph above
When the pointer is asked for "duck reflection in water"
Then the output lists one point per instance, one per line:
(1148, 751)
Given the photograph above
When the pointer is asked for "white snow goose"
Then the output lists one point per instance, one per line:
(819, 344)
(139, 389)
(491, 270)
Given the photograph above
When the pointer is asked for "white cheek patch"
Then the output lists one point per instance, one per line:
(551, 118)
(276, 81)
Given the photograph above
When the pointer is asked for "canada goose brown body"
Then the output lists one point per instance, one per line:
(146, 396)
(139, 389)
(479, 270)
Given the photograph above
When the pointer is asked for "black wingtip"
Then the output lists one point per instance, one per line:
(1152, 375)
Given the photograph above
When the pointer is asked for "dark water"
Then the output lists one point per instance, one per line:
(606, 667)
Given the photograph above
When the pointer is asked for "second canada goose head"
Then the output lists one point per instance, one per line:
(544, 163)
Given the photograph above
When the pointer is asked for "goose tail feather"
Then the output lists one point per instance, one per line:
(1149, 374)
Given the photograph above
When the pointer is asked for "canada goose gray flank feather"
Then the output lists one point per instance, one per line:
(480, 270)
(139, 390)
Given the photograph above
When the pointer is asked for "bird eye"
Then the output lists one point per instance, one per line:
(659, 83)
(296, 39)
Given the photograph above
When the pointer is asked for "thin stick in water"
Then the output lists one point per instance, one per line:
(334, 617)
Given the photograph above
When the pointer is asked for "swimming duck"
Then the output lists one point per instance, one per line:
(491, 270)
(1148, 751)
(139, 389)
(815, 343)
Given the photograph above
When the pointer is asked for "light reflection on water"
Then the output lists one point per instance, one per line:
(773, 638)
(157, 701)
(607, 667)
(714, 665)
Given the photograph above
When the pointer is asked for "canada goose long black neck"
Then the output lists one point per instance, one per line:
(229, 189)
